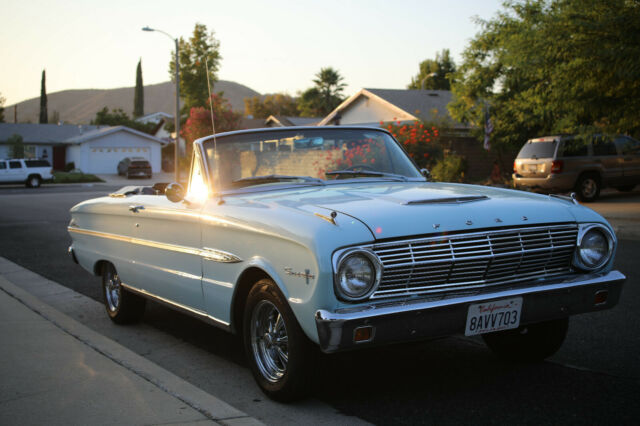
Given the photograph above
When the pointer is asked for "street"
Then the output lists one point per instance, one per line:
(594, 378)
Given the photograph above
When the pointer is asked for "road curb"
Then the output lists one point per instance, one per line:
(210, 406)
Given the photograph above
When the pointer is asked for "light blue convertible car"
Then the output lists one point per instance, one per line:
(332, 238)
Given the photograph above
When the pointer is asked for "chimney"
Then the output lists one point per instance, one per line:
(15, 113)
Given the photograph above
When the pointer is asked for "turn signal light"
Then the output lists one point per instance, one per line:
(556, 166)
(600, 297)
(362, 334)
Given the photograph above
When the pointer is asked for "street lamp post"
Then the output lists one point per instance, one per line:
(177, 111)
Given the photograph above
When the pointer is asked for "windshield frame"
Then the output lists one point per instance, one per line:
(199, 145)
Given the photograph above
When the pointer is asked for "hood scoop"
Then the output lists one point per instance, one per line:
(449, 200)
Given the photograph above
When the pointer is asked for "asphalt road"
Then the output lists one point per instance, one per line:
(594, 378)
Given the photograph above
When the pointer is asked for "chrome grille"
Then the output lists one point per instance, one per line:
(474, 260)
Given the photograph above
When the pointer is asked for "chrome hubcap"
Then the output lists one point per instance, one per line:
(589, 188)
(269, 341)
(112, 290)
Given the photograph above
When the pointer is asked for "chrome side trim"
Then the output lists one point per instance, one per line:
(206, 253)
(219, 255)
(194, 312)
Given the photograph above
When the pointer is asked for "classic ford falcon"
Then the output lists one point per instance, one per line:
(331, 237)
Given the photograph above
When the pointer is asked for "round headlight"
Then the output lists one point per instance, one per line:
(357, 276)
(594, 248)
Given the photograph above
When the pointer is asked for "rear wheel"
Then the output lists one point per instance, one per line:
(34, 181)
(123, 307)
(528, 343)
(588, 187)
(276, 347)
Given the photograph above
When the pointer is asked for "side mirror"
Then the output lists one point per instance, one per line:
(425, 173)
(174, 192)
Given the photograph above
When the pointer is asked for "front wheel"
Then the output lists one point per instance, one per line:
(528, 343)
(276, 347)
(123, 307)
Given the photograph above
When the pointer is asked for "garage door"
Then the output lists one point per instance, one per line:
(106, 159)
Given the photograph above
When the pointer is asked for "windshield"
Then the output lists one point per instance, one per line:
(306, 156)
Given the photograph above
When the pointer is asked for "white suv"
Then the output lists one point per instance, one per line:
(29, 172)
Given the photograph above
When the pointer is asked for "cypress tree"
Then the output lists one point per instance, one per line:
(44, 117)
(138, 96)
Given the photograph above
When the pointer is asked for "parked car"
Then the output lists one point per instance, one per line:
(30, 172)
(331, 238)
(135, 167)
(585, 164)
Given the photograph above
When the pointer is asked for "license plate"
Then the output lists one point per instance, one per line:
(493, 316)
(532, 167)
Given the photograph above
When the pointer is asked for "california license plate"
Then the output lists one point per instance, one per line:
(493, 316)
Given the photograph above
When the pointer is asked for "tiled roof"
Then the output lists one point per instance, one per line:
(420, 103)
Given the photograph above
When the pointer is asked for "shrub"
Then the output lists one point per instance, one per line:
(420, 140)
(75, 177)
(450, 169)
(69, 166)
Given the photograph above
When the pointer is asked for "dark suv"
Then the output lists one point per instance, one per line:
(585, 164)
(134, 167)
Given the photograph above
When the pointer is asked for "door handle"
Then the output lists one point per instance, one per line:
(135, 209)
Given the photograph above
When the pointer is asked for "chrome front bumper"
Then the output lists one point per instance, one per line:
(424, 319)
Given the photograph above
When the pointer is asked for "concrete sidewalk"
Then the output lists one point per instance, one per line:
(55, 370)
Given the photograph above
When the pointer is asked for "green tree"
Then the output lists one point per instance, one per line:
(325, 96)
(435, 74)
(16, 146)
(44, 117)
(138, 95)
(193, 75)
(117, 117)
(544, 67)
(276, 104)
(2, 101)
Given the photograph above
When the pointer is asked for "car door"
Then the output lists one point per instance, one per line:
(630, 150)
(605, 153)
(166, 250)
(16, 171)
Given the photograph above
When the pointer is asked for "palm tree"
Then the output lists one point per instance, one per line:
(330, 84)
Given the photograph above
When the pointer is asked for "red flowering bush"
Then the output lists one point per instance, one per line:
(420, 140)
(199, 122)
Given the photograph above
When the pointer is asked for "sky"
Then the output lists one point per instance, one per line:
(270, 46)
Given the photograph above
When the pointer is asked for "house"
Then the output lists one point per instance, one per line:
(159, 119)
(371, 106)
(285, 121)
(45, 141)
(100, 150)
(92, 149)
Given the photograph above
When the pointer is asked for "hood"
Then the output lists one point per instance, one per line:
(392, 210)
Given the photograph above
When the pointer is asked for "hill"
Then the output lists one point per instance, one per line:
(80, 106)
